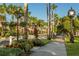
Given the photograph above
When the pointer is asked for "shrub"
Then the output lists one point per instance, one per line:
(45, 41)
(30, 42)
(7, 34)
(13, 33)
(23, 44)
(37, 42)
(10, 51)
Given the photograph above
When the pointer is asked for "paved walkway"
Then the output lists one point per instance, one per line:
(51, 49)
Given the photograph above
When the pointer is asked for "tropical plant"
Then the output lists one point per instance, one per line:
(53, 7)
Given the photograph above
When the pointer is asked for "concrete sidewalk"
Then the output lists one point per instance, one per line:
(51, 49)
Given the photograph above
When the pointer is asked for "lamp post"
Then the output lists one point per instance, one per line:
(18, 14)
(71, 14)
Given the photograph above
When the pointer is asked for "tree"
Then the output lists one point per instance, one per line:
(53, 7)
(66, 23)
(11, 9)
(26, 20)
(3, 15)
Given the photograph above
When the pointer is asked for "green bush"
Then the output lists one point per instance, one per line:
(45, 41)
(37, 42)
(76, 39)
(10, 51)
(31, 43)
(40, 42)
(7, 34)
(23, 24)
(23, 44)
(13, 33)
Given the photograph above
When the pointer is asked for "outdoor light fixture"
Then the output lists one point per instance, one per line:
(71, 14)
(18, 14)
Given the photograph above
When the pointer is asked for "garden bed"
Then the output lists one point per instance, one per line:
(10, 51)
(72, 48)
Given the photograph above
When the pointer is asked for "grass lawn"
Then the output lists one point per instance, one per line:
(72, 48)
(10, 51)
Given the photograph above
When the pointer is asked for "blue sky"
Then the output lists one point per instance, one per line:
(39, 9)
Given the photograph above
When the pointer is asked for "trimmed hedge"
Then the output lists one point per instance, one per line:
(23, 44)
(10, 51)
(40, 42)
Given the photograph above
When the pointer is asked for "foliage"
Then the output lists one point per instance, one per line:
(24, 45)
(72, 48)
(5, 23)
(7, 34)
(23, 24)
(30, 42)
(76, 39)
(40, 42)
(37, 42)
(53, 6)
(76, 24)
(12, 24)
(13, 33)
(10, 51)
(45, 41)
(60, 28)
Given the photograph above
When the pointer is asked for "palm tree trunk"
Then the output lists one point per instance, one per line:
(53, 21)
(48, 17)
(25, 19)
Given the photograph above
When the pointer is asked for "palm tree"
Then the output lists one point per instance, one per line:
(11, 9)
(53, 7)
(56, 21)
(3, 13)
(26, 20)
(48, 18)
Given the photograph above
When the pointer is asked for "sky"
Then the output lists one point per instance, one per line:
(39, 9)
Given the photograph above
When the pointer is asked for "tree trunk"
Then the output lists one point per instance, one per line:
(48, 17)
(26, 20)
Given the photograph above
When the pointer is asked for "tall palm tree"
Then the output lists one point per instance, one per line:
(11, 9)
(48, 18)
(3, 13)
(26, 20)
(16, 12)
(53, 7)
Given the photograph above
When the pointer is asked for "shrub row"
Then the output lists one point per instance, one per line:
(10, 51)
(18, 47)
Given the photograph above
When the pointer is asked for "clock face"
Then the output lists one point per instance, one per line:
(71, 13)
